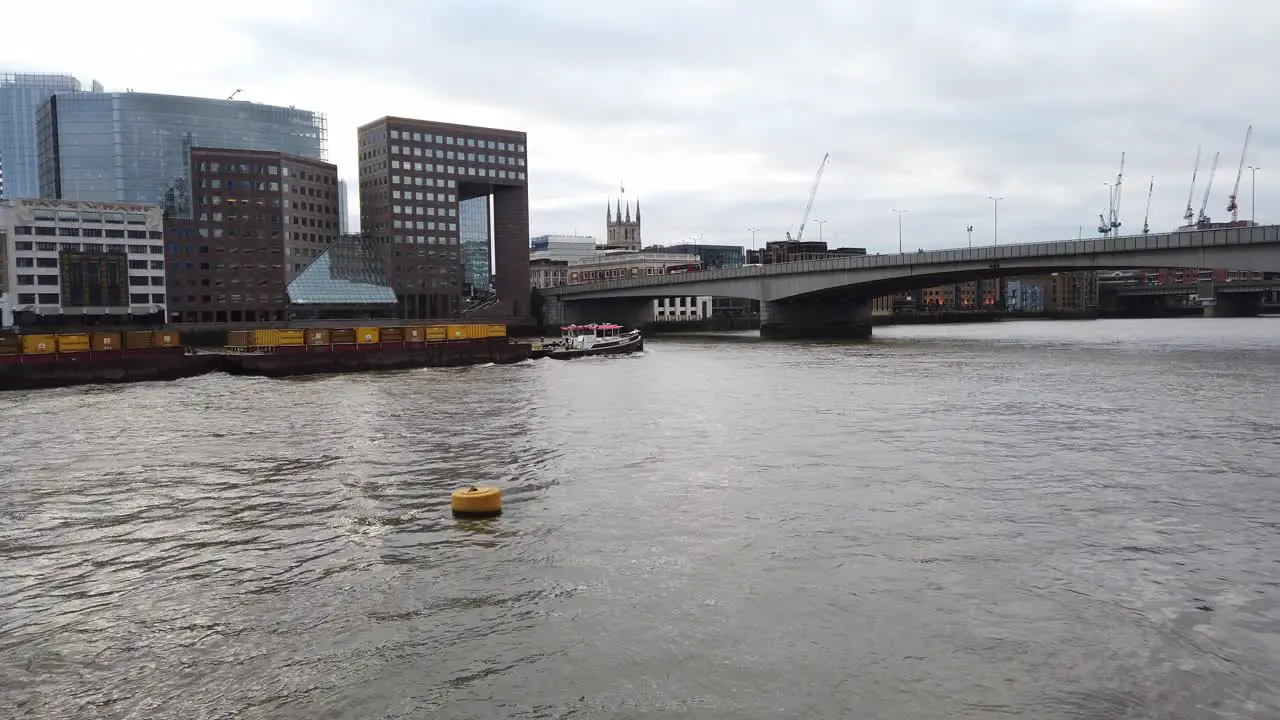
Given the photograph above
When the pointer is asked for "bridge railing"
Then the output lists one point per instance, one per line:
(1262, 234)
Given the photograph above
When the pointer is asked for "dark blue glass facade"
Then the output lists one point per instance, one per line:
(473, 231)
(21, 95)
(134, 147)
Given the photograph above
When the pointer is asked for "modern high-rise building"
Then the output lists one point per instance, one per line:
(135, 147)
(344, 213)
(21, 95)
(473, 229)
(414, 177)
(258, 219)
(83, 263)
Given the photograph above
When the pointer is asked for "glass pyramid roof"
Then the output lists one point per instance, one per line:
(351, 271)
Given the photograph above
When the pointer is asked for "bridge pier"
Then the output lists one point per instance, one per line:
(816, 319)
(631, 312)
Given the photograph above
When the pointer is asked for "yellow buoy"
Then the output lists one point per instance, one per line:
(477, 502)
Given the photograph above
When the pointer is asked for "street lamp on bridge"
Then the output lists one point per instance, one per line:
(900, 212)
(969, 229)
(995, 212)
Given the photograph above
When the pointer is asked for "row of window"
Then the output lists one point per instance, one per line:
(423, 197)
(64, 216)
(426, 225)
(53, 280)
(423, 182)
(64, 231)
(224, 299)
(445, 140)
(56, 299)
(459, 156)
(456, 170)
(28, 246)
(419, 210)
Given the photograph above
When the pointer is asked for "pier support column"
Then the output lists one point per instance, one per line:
(816, 319)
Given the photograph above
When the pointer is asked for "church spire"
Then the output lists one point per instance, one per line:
(637, 209)
(628, 212)
(619, 215)
(608, 214)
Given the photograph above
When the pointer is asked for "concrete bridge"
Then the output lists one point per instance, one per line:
(831, 298)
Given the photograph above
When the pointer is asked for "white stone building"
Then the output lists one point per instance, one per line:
(78, 258)
(609, 264)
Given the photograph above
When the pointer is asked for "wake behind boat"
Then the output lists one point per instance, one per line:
(590, 340)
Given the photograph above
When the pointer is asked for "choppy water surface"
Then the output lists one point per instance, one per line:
(1054, 520)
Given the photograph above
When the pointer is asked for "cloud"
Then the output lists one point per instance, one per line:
(716, 114)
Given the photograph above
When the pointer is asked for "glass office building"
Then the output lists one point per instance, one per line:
(473, 234)
(21, 95)
(135, 147)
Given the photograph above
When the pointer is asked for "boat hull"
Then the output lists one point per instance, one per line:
(633, 345)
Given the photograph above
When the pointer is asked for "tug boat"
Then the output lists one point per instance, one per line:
(590, 340)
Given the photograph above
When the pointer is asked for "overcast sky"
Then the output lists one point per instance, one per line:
(717, 113)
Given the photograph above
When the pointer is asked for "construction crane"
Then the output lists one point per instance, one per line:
(813, 192)
(1147, 216)
(1203, 219)
(1115, 198)
(1190, 214)
(1231, 204)
(233, 95)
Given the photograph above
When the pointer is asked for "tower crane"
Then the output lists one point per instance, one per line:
(1204, 219)
(1150, 189)
(1115, 198)
(233, 95)
(1190, 214)
(1231, 204)
(809, 205)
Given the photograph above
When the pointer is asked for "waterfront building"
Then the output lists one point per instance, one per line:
(71, 262)
(136, 147)
(6, 300)
(784, 251)
(548, 273)
(562, 247)
(258, 219)
(414, 176)
(611, 264)
(21, 95)
(714, 257)
(623, 233)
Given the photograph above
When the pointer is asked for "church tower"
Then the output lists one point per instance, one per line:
(623, 232)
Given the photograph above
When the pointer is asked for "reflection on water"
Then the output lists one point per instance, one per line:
(1054, 520)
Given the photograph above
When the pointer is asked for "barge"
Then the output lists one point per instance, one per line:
(30, 362)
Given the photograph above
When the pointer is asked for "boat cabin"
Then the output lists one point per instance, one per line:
(583, 337)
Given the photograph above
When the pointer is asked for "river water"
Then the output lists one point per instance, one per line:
(1052, 520)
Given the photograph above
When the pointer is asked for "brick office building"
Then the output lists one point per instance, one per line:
(414, 175)
(258, 219)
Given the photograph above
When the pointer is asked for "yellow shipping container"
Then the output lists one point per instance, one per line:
(436, 333)
(317, 337)
(105, 342)
(392, 334)
(266, 338)
(342, 336)
(366, 336)
(415, 334)
(477, 332)
(73, 343)
(39, 344)
(138, 340)
(457, 332)
(168, 338)
(292, 337)
(497, 331)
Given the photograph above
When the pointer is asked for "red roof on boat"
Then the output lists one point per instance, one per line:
(604, 326)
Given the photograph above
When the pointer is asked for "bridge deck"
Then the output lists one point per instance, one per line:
(1259, 235)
